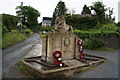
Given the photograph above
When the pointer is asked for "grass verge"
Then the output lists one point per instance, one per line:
(23, 68)
(9, 39)
(104, 49)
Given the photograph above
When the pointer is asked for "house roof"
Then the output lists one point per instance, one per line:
(47, 18)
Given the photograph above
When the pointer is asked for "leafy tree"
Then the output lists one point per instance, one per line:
(86, 10)
(82, 23)
(60, 10)
(99, 9)
(101, 15)
(109, 18)
(9, 21)
(29, 16)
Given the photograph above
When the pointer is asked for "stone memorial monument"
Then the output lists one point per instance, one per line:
(61, 42)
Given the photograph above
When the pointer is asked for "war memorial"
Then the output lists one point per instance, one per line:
(62, 54)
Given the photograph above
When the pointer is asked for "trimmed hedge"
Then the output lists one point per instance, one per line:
(104, 31)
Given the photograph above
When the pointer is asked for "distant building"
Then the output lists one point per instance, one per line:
(46, 22)
(119, 11)
(83, 15)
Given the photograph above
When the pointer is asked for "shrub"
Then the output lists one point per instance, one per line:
(92, 43)
(43, 35)
(46, 28)
(14, 31)
(28, 32)
(4, 29)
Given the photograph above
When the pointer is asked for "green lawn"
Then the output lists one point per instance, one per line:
(9, 39)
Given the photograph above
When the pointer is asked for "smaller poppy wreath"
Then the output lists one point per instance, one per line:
(80, 41)
(82, 56)
(57, 54)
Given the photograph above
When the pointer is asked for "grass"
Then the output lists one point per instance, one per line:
(43, 35)
(87, 68)
(23, 68)
(9, 39)
(104, 49)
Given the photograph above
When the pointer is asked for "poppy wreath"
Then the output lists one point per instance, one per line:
(82, 56)
(80, 48)
(79, 42)
(56, 62)
(59, 54)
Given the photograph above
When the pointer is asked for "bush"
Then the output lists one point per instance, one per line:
(14, 31)
(9, 39)
(4, 29)
(28, 32)
(92, 43)
(43, 35)
(46, 29)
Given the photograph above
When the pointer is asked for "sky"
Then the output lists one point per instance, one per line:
(46, 7)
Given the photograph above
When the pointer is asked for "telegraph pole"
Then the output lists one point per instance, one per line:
(21, 17)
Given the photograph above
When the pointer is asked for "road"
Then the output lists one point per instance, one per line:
(108, 69)
(13, 54)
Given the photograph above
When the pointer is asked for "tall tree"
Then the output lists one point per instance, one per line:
(29, 16)
(60, 10)
(109, 17)
(86, 10)
(99, 9)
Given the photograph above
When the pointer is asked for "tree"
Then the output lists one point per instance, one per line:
(99, 9)
(60, 10)
(109, 18)
(10, 21)
(82, 23)
(29, 16)
(86, 10)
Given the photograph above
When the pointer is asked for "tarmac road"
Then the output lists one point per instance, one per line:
(108, 69)
(13, 54)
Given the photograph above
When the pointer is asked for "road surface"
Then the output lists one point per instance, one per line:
(109, 69)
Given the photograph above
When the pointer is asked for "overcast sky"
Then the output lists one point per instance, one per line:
(46, 7)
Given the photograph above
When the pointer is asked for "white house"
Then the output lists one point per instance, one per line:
(46, 22)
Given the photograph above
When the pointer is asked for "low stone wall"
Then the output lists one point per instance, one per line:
(112, 41)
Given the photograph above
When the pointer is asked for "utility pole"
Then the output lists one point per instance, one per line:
(21, 17)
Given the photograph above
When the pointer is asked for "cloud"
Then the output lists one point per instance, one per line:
(46, 7)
